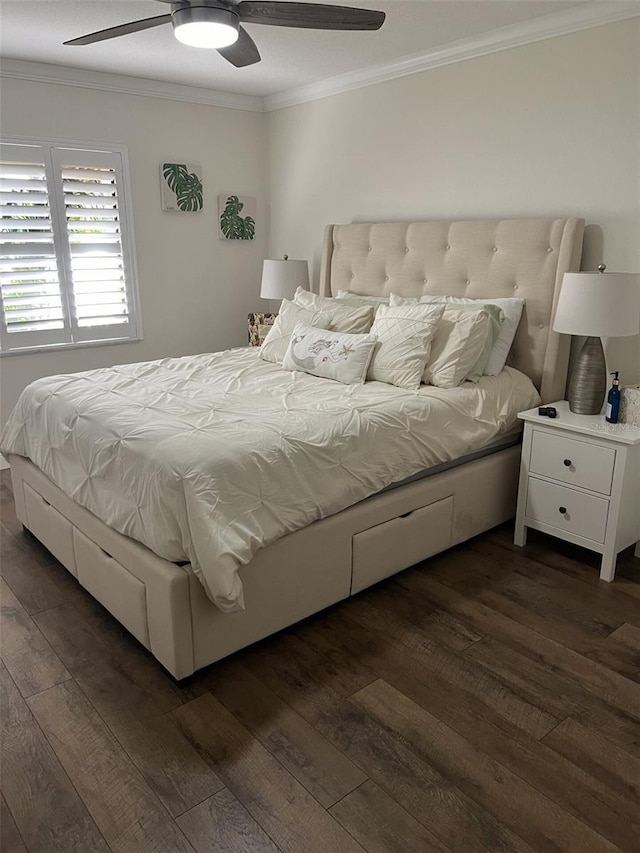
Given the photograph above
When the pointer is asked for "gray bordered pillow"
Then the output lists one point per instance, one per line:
(353, 319)
(355, 299)
(339, 356)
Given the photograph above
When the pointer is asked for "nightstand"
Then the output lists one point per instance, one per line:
(580, 481)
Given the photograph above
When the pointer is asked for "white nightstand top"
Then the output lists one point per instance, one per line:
(594, 425)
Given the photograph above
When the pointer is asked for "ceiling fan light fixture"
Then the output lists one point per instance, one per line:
(205, 26)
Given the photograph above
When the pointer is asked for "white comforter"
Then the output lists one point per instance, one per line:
(209, 458)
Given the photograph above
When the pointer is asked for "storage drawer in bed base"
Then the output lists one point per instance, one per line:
(387, 548)
(146, 594)
(113, 585)
(165, 606)
(50, 527)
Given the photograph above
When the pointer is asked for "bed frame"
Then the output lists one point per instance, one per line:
(164, 605)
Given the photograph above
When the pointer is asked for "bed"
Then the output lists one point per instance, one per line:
(361, 540)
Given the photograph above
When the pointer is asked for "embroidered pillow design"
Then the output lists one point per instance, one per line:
(332, 355)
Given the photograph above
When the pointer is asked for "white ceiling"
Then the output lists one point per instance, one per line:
(34, 30)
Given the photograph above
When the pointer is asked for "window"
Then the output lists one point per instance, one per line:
(67, 269)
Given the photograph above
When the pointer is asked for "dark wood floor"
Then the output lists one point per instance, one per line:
(488, 700)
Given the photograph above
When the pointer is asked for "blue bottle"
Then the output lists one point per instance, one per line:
(613, 400)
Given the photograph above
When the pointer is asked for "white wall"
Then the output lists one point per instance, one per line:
(548, 129)
(196, 289)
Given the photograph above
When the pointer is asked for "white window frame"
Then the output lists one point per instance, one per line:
(54, 152)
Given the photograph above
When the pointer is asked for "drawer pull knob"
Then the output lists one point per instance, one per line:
(567, 463)
(563, 510)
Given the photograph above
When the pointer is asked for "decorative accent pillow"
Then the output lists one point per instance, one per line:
(459, 342)
(332, 355)
(275, 344)
(354, 320)
(404, 337)
(511, 307)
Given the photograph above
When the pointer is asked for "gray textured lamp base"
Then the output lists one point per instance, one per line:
(588, 383)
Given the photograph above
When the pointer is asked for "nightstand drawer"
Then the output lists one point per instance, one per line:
(584, 515)
(575, 462)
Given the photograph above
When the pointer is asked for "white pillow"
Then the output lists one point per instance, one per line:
(404, 342)
(512, 308)
(275, 344)
(354, 320)
(496, 316)
(458, 343)
(332, 355)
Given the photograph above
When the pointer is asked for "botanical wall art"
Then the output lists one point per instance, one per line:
(237, 217)
(181, 187)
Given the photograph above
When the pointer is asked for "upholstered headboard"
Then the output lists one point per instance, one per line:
(478, 258)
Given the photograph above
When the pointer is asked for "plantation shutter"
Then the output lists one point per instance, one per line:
(34, 310)
(67, 272)
(94, 231)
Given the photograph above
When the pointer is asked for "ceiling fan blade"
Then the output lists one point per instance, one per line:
(243, 52)
(315, 16)
(122, 30)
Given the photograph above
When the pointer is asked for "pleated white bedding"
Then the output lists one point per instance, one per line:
(208, 458)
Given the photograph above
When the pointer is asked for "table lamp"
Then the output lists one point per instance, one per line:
(598, 305)
(281, 279)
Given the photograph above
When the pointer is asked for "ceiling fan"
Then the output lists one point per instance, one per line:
(217, 23)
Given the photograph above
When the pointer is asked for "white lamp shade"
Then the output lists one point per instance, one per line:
(605, 305)
(281, 279)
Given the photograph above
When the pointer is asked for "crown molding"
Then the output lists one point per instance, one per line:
(565, 22)
(560, 23)
(41, 72)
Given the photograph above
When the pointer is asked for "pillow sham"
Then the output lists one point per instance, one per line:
(511, 307)
(404, 336)
(332, 355)
(459, 341)
(276, 342)
(496, 318)
(352, 319)
(495, 313)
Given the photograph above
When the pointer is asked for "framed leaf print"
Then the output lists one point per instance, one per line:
(181, 187)
(237, 217)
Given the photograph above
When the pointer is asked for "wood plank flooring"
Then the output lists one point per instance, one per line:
(486, 700)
